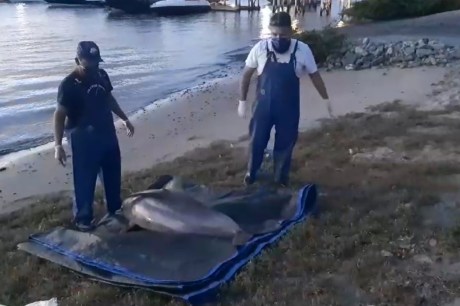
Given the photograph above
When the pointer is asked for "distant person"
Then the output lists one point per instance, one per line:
(279, 62)
(326, 7)
(84, 111)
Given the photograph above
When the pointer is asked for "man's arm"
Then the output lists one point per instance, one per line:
(251, 64)
(64, 102)
(116, 109)
(318, 82)
(315, 76)
(245, 82)
(59, 120)
(114, 106)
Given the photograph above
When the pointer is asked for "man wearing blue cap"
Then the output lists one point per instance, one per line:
(84, 111)
(279, 61)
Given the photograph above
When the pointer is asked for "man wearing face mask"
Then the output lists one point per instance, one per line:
(279, 62)
(84, 112)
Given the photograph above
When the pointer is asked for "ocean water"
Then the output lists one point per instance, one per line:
(147, 57)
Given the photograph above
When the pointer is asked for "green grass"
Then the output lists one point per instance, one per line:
(323, 43)
(378, 10)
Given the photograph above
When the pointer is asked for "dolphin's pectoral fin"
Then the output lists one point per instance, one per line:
(241, 238)
(161, 181)
(132, 227)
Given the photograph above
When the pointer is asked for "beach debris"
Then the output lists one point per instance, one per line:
(403, 54)
(51, 302)
(433, 243)
(385, 253)
(422, 259)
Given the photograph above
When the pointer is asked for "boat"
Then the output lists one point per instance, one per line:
(180, 7)
(130, 6)
(23, 1)
(77, 2)
(161, 7)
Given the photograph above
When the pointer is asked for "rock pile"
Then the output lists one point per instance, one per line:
(403, 54)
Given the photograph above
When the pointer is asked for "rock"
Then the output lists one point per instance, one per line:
(454, 55)
(412, 64)
(350, 67)
(349, 59)
(436, 45)
(404, 54)
(408, 51)
(390, 51)
(386, 253)
(397, 59)
(424, 52)
(360, 51)
(379, 51)
(421, 42)
(377, 61)
(422, 259)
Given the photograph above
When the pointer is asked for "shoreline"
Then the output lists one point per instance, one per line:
(39, 143)
(196, 118)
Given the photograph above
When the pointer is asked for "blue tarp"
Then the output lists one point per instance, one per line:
(190, 267)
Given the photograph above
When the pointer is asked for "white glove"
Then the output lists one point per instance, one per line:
(60, 155)
(242, 106)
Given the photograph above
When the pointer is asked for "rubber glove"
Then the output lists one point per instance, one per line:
(129, 128)
(242, 106)
(60, 155)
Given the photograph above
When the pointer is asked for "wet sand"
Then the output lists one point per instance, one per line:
(195, 118)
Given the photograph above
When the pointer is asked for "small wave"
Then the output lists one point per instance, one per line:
(24, 144)
(24, 111)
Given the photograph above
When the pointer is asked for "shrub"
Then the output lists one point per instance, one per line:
(323, 43)
(397, 9)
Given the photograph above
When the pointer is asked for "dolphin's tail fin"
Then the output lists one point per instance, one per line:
(241, 237)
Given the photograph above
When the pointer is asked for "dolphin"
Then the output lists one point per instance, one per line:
(174, 211)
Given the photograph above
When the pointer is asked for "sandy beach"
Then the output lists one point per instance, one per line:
(195, 118)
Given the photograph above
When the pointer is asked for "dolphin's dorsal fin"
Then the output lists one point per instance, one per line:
(176, 183)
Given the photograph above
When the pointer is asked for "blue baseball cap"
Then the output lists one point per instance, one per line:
(89, 50)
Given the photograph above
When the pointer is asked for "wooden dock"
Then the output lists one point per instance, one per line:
(223, 8)
(254, 5)
(299, 6)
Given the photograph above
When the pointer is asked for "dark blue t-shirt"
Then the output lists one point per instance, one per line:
(74, 90)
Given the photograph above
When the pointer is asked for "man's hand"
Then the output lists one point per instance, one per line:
(129, 128)
(60, 155)
(242, 108)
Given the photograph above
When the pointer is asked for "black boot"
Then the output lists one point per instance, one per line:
(248, 179)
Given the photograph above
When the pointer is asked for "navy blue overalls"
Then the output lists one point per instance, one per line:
(277, 104)
(95, 149)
